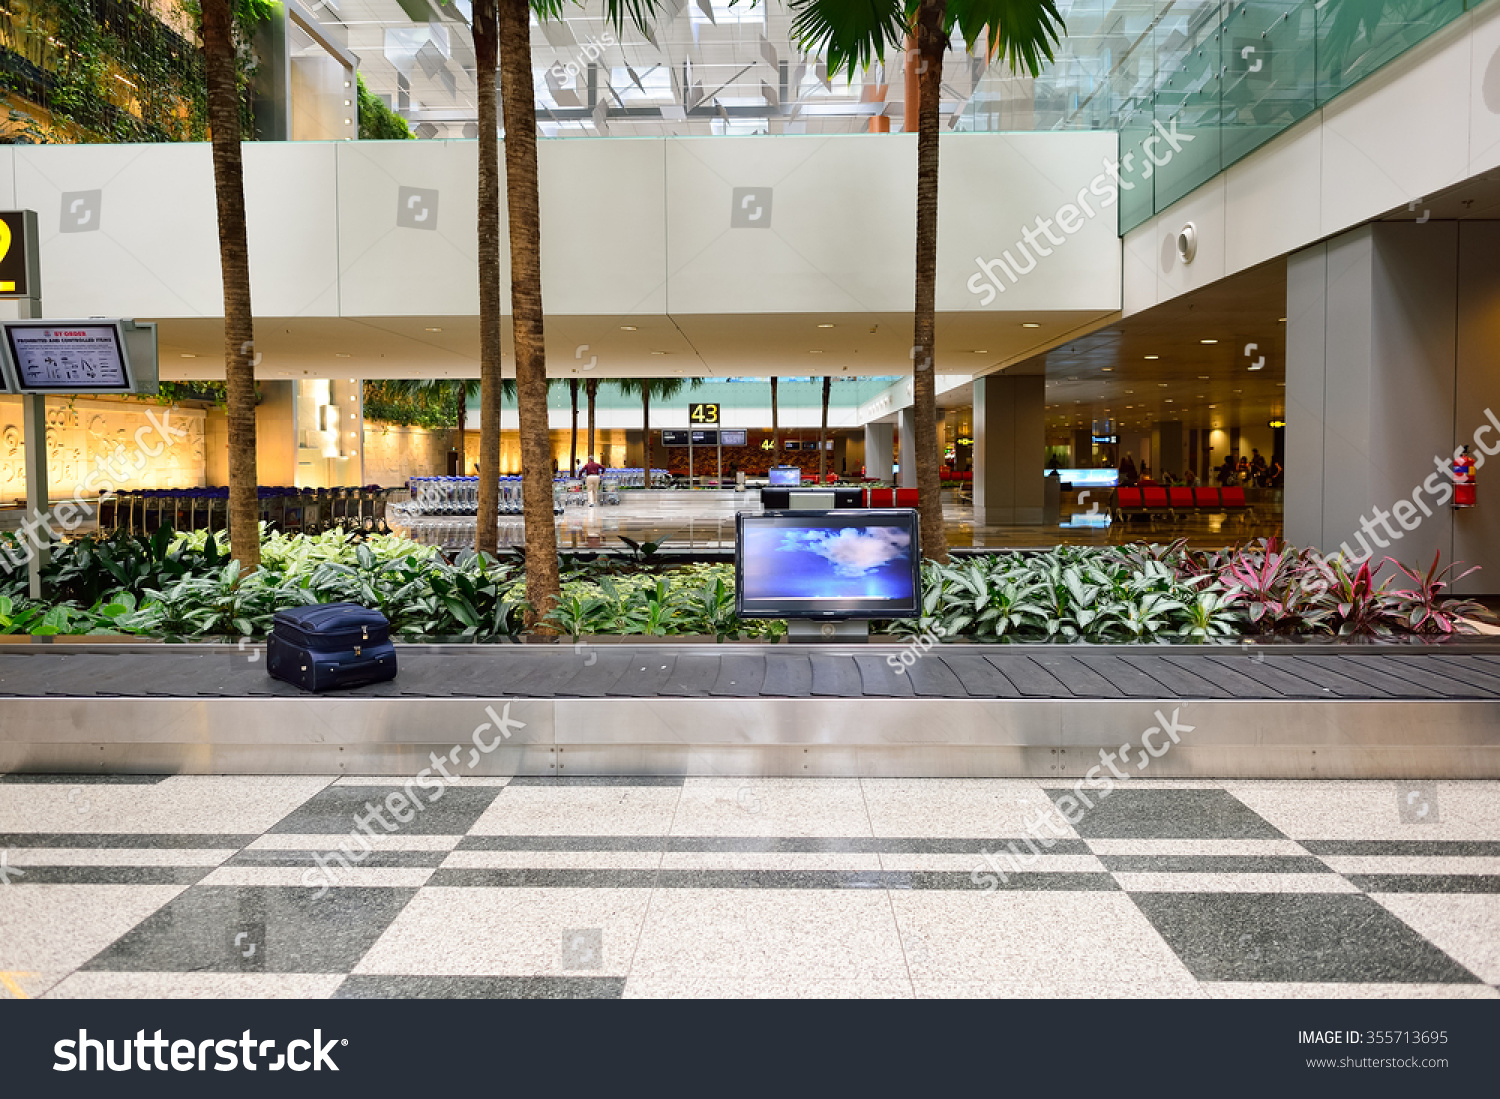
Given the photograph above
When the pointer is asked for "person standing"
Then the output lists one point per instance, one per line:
(591, 471)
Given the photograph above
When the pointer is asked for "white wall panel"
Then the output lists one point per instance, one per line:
(1272, 202)
(1387, 142)
(143, 238)
(1484, 93)
(991, 187)
(389, 269)
(833, 238)
(604, 244)
(1204, 210)
(291, 212)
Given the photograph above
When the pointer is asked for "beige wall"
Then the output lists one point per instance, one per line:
(394, 453)
(83, 429)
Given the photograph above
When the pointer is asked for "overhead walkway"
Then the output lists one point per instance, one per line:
(1304, 710)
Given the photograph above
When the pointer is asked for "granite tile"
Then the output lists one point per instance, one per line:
(286, 929)
(1169, 814)
(1316, 937)
(195, 986)
(1464, 926)
(335, 810)
(377, 987)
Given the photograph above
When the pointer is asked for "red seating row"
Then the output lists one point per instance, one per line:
(891, 497)
(1170, 501)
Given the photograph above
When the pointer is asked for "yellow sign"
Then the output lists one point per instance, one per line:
(1278, 423)
(703, 413)
(766, 444)
(18, 254)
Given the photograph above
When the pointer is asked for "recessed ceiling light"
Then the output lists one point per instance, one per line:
(1029, 324)
(815, 352)
(825, 326)
(627, 328)
(981, 351)
(1106, 369)
(1203, 377)
(341, 355)
(185, 355)
(1280, 320)
(1161, 385)
(1153, 356)
(1208, 341)
(658, 352)
(434, 329)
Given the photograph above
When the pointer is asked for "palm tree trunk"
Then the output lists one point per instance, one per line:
(931, 41)
(463, 425)
(646, 428)
(573, 452)
(775, 427)
(823, 431)
(519, 101)
(591, 392)
(234, 266)
(486, 50)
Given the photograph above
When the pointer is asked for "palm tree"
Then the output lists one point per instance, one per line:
(823, 431)
(591, 391)
(775, 426)
(1020, 33)
(505, 24)
(221, 77)
(484, 24)
(458, 391)
(573, 451)
(661, 388)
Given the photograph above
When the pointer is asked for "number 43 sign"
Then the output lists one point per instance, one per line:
(703, 413)
(20, 271)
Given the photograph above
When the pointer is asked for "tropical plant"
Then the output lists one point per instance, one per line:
(775, 426)
(1420, 608)
(377, 122)
(663, 389)
(221, 74)
(853, 37)
(591, 392)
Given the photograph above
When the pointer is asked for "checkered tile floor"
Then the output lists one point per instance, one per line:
(207, 886)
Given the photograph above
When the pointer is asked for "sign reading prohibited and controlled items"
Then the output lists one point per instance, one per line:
(20, 275)
(67, 356)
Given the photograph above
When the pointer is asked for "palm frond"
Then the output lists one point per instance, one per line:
(851, 34)
(1019, 33)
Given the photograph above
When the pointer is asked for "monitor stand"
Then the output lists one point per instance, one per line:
(824, 631)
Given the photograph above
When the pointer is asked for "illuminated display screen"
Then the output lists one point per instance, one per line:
(828, 564)
(71, 358)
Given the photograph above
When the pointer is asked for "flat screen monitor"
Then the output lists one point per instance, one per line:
(705, 438)
(732, 438)
(68, 356)
(674, 438)
(785, 476)
(828, 564)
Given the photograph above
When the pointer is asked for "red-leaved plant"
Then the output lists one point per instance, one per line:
(1419, 607)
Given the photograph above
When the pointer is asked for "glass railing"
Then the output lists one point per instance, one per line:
(1205, 84)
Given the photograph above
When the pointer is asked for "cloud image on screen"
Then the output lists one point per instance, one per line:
(828, 563)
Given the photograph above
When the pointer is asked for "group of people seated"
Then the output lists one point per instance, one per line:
(1236, 470)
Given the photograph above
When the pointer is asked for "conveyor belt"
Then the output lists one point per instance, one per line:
(1295, 710)
(780, 671)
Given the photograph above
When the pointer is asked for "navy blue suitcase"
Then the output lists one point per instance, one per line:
(329, 646)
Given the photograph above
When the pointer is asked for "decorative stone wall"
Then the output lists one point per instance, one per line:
(79, 430)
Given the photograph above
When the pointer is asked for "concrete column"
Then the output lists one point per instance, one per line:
(1083, 446)
(880, 446)
(1010, 443)
(1391, 330)
(908, 474)
(1167, 450)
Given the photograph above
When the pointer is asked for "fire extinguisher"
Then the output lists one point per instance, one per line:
(1464, 487)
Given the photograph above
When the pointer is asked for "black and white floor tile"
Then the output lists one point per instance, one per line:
(150, 886)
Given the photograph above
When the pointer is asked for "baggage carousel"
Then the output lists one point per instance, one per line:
(566, 710)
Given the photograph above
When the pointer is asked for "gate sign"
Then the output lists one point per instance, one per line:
(49, 356)
(20, 273)
(703, 413)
